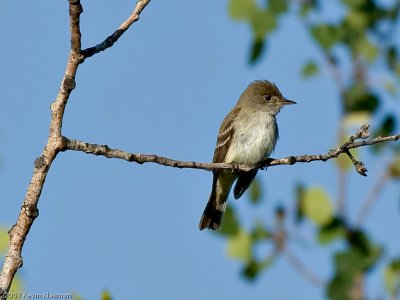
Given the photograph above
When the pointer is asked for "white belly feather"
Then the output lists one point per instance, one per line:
(254, 140)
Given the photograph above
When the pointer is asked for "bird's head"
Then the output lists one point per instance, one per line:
(265, 95)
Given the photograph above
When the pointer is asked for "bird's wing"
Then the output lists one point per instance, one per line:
(225, 136)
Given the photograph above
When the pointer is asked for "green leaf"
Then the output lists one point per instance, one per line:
(257, 49)
(387, 127)
(260, 232)
(326, 35)
(105, 295)
(359, 98)
(394, 169)
(367, 49)
(239, 246)
(299, 199)
(352, 263)
(251, 270)
(359, 241)
(392, 57)
(3, 240)
(391, 277)
(375, 254)
(340, 286)
(367, 252)
(242, 9)
(262, 23)
(307, 6)
(349, 262)
(230, 225)
(357, 20)
(309, 69)
(331, 231)
(278, 6)
(354, 3)
(317, 206)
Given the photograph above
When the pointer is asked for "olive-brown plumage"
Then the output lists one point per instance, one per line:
(247, 135)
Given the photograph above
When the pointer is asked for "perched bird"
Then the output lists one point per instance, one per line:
(247, 136)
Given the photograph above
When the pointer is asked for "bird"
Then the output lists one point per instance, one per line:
(247, 136)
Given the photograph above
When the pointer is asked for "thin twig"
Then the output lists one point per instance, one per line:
(342, 182)
(75, 9)
(104, 150)
(360, 168)
(342, 187)
(113, 38)
(356, 291)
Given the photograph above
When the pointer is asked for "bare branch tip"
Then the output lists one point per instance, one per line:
(361, 169)
(363, 132)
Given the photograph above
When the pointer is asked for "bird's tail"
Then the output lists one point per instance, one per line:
(212, 215)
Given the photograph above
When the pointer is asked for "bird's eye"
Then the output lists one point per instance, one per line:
(267, 97)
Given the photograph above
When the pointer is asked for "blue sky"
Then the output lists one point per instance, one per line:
(164, 88)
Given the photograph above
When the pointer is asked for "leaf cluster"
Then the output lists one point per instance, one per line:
(358, 49)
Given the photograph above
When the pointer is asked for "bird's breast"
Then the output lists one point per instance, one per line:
(254, 138)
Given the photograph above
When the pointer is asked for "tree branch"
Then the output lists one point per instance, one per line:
(75, 10)
(113, 38)
(55, 143)
(104, 150)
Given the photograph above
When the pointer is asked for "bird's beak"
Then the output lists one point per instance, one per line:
(287, 102)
